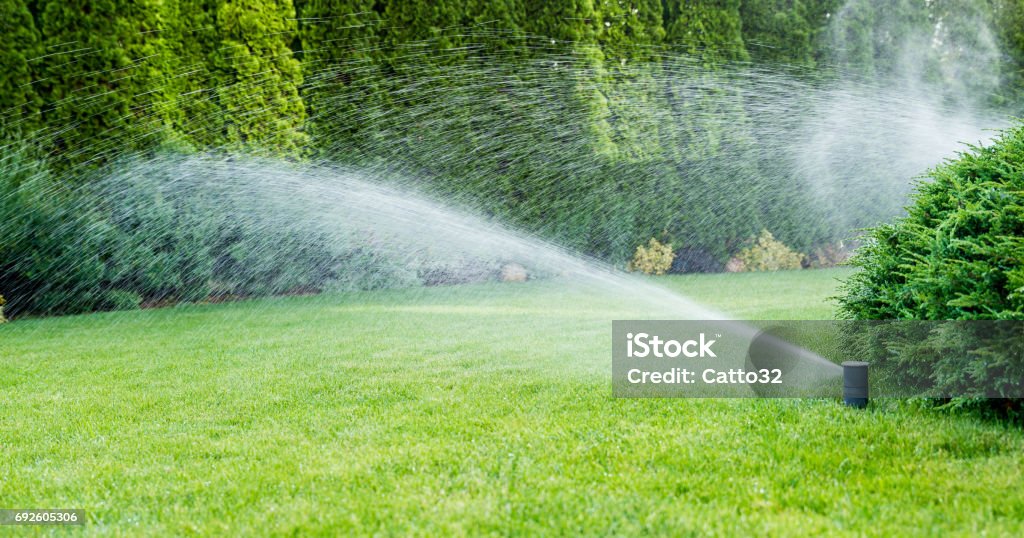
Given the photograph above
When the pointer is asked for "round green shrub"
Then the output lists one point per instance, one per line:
(958, 254)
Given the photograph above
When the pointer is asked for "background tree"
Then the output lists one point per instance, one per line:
(709, 29)
(191, 37)
(786, 31)
(19, 102)
(1009, 18)
(104, 77)
(256, 77)
(341, 54)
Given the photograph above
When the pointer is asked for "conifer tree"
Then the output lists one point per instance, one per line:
(191, 38)
(340, 49)
(628, 33)
(257, 77)
(19, 48)
(103, 77)
(786, 31)
(1009, 21)
(499, 23)
(709, 29)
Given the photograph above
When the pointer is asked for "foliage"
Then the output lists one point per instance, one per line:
(563, 20)
(103, 77)
(191, 37)
(1009, 17)
(957, 255)
(342, 67)
(19, 102)
(768, 254)
(52, 250)
(829, 255)
(696, 260)
(121, 300)
(458, 271)
(256, 77)
(163, 241)
(710, 29)
(182, 238)
(359, 82)
(2, 303)
(786, 31)
(653, 259)
(945, 43)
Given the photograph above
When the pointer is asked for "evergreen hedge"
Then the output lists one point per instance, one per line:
(556, 138)
(104, 77)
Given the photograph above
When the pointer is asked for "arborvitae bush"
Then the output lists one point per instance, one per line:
(709, 30)
(19, 102)
(104, 78)
(769, 254)
(653, 259)
(957, 255)
(342, 68)
(959, 252)
(256, 77)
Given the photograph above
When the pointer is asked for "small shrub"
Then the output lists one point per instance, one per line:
(52, 249)
(156, 233)
(2, 303)
(653, 259)
(768, 254)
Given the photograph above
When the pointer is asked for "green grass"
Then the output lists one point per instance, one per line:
(465, 410)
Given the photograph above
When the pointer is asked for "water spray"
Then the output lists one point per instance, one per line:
(855, 384)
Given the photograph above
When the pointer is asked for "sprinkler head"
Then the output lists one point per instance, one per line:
(855, 384)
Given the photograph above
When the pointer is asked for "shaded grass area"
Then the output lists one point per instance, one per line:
(464, 410)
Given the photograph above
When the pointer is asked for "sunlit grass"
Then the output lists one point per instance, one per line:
(462, 410)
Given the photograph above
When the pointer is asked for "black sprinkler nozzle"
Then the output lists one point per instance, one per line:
(855, 384)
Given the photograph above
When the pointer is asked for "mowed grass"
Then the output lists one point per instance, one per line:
(463, 411)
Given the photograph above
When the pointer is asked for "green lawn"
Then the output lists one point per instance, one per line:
(463, 411)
